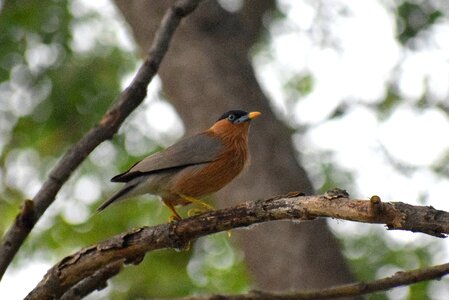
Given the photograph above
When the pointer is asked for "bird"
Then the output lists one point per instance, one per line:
(194, 167)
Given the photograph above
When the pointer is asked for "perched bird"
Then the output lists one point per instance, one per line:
(195, 166)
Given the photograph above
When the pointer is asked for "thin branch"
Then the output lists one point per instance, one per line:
(347, 290)
(96, 281)
(132, 246)
(127, 101)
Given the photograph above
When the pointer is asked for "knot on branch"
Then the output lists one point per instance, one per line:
(336, 193)
(177, 242)
(288, 195)
(376, 206)
(27, 216)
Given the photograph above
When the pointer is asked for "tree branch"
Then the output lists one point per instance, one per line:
(131, 246)
(126, 102)
(96, 281)
(347, 290)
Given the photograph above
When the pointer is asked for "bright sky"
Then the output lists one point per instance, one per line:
(356, 72)
(351, 62)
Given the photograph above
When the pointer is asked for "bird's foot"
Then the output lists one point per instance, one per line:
(204, 205)
(174, 218)
(196, 211)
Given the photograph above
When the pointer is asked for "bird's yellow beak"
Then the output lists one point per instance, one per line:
(254, 114)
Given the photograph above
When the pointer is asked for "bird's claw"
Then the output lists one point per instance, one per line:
(196, 211)
(174, 218)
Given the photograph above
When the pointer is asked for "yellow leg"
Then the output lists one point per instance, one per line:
(175, 216)
(198, 202)
(195, 211)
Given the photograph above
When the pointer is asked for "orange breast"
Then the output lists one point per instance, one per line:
(197, 181)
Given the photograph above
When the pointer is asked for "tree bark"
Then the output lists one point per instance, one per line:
(207, 72)
(88, 269)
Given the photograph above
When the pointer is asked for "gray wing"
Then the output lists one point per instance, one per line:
(198, 149)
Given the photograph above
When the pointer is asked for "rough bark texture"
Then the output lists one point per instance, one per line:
(207, 72)
(89, 268)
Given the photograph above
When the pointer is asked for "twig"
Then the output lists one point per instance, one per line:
(127, 101)
(132, 246)
(347, 290)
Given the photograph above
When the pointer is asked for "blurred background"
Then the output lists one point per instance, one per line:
(363, 87)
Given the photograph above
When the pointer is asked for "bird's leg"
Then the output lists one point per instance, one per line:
(197, 201)
(174, 216)
(195, 211)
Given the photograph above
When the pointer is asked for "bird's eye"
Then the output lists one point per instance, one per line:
(231, 118)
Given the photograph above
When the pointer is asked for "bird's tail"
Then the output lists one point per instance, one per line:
(117, 196)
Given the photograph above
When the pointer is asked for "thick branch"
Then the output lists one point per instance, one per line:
(132, 246)
(347, 290)
(127, 101)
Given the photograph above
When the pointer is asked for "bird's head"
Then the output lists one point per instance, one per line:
(234, 122)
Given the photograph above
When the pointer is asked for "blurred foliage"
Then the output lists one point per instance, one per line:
(389, 103)
(413, 17)
(51, 94)
(383, 256)
(332, 177)
(300, 84)
(297, 87)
